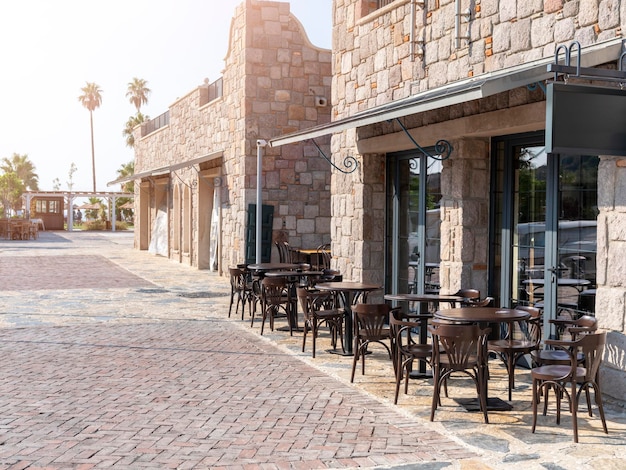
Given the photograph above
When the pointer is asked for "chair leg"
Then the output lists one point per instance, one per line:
(232, 300)
(436, 391)
(314, 331)
(355, 358)
(598, 397)
(482, 395)
(510, 366)
(574, 406)
(535, 402)
(305, 330)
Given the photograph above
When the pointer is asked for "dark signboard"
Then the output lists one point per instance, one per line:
(585, 120)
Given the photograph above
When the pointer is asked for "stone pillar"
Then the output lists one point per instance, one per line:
(611, 272)
(465, 217)
(358, 213)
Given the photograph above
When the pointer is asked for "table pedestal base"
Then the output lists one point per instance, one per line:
(493, 404)
(339, 352)
(416, 374)
(296, 329)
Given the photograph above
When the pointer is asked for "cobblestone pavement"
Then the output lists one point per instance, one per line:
(112, 357)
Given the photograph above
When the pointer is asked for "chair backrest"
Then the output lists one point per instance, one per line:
(371, 319)
(274, 290)
(470, 296)
(584, 324)
(592, 348)
(323, 256)
(238, 277)
(404, 328)
(532, 329)
(284, 252)
(314, 301)
(464, 345)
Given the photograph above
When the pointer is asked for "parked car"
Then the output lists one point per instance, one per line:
(577, 247)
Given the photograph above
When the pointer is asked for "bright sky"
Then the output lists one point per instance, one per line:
(50, 49)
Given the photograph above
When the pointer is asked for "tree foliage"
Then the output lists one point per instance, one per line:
(11, 190)
(133, 121)
(91, 99)
(23, 168)
(138, 92)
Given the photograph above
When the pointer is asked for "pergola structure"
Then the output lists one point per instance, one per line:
(70, 196)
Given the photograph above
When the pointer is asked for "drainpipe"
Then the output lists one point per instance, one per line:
(260, 145)
(457, 23)
(412, 50)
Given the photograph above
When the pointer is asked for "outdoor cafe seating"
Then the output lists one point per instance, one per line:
(407, 346)
(19, 229)
(370, 326)
(457, 349)
(320, 308)
(570, 380)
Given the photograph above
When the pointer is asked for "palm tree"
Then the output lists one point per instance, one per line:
(91, 99)
(11, 189)
(133, 122)
(23, 169)
(138, 92)
(127, 169)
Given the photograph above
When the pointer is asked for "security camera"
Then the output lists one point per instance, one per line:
(261, 142)
(321, 102)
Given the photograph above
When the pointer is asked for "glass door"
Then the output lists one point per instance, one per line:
(544, 220)
(413, 223)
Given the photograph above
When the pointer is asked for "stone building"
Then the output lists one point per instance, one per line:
(491, 150)
(195, 165)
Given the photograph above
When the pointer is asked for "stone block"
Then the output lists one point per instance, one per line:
(508, 10)
(588, 12)
(501, 38)
(520, 35)
(611, 308)
(564, 31)
(542, 31)
(552, 6)
(305, 226)
(608, 14)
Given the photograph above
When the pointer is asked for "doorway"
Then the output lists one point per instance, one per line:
(544, 211)
(413, 223)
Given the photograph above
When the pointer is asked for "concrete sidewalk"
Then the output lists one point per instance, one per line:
(114, 357)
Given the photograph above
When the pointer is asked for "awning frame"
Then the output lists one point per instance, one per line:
(166, 170)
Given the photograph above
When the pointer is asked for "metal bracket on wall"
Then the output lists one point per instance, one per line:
(443, 148)
(589, 73)
(348, 162)
(534, 86)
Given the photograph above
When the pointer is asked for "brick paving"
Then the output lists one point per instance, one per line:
(146, 370)
(187, 394)
(89, 381)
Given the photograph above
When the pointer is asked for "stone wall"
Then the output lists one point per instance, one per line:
(387, 54)
(611, 271)
(272, 79)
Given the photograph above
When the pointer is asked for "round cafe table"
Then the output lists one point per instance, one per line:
(483, 316)
(348, 289)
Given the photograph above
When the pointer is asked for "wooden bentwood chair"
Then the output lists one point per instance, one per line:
(520, 338)
(572, 379)
(459, 348)
(566, 329)
(275, 301)
(370, 326)
(320, 308)
(241, 291)
(406, 346)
